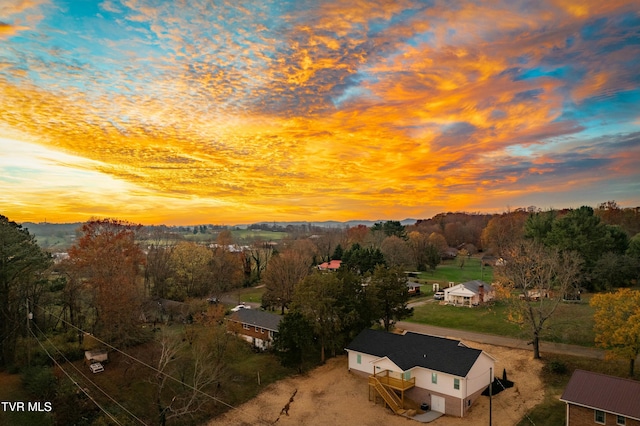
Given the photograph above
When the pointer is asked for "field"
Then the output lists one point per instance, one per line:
(449, 271)
(571, 323)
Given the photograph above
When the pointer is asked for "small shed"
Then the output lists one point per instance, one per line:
(98, 355)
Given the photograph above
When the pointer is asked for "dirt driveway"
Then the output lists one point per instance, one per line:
(330, 395)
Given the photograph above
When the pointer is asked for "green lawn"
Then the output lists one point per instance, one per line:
(450, 271)
(571, 323)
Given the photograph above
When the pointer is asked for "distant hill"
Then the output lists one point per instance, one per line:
(332, 223)
(58, 237)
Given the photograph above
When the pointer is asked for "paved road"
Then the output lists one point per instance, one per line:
(548, 347)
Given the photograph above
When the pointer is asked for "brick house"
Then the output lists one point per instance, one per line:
(599, 399)
(255, 326)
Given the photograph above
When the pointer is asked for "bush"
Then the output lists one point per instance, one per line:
(39, 382)
(557, 367)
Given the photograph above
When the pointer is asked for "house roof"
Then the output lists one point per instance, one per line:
(257, 318)
(473, 286)
(607, 393)
(417, 350)
(331, 265)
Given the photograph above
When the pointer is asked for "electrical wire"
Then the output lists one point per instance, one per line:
(74, 381)
(86, 378)
(143, 363)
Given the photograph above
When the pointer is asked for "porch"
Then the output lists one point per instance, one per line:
(391, 389)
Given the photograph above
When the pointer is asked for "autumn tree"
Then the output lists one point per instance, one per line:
(534, 279)
(110, 263)
(158, 271)
(285, 270)
(191, 270)
(617, 324)
(502, 231)
(226, 271)
(224, 238)
(23, 277)
(396, 251)
(356, 235)
(437, 240)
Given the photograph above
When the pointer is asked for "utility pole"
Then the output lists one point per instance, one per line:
(490, 392)
(29, 316)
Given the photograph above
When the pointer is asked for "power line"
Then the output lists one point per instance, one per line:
(89, 380)
(143, 363)
(74, 381)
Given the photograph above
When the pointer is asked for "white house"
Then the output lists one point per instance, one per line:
(443, 373)
(470, 293)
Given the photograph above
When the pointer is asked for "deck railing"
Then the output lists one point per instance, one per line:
(396, 383)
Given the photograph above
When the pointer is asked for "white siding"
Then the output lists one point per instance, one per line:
(478, 377)
(444, 385)
(366, 362)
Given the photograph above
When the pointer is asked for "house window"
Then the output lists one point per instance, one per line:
(434, 378)
(256, 327)
(599, 417)
(359, 359)
(262, 330)
(406, 375)
(245, 326)
(621, 420)
(456, 383)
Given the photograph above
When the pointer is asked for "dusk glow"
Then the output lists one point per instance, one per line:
(185, 112)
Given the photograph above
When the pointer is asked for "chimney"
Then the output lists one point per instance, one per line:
(481, 293)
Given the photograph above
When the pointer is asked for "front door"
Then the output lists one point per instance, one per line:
(437, 403)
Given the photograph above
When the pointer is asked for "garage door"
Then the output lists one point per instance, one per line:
(437, 403)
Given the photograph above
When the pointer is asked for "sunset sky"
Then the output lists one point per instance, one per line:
(228, 112)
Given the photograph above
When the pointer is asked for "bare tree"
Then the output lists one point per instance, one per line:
(534, 280)
(260, 253)
(186, 368)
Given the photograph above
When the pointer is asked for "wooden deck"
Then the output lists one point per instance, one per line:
(393, 382)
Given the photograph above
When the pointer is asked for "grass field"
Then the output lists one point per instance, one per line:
(449, 271)
(571, 323)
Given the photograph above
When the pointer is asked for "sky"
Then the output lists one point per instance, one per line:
(228, 112)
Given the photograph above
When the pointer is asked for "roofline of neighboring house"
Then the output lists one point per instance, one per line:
(251, 324)
(601, 409)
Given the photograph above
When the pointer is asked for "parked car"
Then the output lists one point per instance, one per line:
(212, 300)
(240, 306)
(439, 295)
(96, 367)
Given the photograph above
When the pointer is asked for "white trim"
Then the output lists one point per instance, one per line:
(601, 409)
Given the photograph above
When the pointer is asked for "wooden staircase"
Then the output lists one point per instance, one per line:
(390, 397)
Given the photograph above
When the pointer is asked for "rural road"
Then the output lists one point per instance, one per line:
(490, 339)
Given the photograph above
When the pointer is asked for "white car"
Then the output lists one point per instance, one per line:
(96, 367)
(240, 306)
(439, 295)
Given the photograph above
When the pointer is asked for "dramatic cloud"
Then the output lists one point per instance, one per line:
(190, 112)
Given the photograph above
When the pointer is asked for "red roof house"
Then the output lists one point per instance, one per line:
(332, 265)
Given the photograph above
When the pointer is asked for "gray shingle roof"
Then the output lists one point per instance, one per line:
(475, 286)
(602, 392)
(417, 350)
(257, 318)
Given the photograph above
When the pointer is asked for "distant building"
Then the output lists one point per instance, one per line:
(332, 265)
(255, 326)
